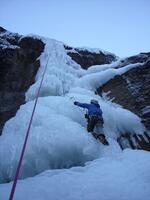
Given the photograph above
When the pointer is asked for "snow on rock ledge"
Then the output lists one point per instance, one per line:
(87, 57)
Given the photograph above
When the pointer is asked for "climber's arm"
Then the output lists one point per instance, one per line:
(82, 105)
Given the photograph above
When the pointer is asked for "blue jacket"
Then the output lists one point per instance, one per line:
(93, 109)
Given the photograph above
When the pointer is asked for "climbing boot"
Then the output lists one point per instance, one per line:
(102, 139)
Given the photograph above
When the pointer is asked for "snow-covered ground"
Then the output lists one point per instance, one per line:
(62, 160)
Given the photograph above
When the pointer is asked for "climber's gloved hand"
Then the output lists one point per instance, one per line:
(75, 103)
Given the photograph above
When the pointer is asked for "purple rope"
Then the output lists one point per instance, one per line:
(26, 138)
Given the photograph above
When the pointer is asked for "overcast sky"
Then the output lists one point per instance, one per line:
(118, 26)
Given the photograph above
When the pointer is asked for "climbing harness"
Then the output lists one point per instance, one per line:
(26, 135)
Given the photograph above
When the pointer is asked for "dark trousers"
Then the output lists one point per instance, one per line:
(92, 121)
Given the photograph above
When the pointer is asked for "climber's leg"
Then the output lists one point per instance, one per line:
(92, 121)
(102, 139)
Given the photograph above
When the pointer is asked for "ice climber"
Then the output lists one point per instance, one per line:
(94, 117)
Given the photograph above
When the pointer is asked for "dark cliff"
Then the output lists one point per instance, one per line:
(18, 67)
(132, 91)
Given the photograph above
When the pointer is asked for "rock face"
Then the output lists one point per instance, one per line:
(18, 67)
(88, 57)
(132, 89)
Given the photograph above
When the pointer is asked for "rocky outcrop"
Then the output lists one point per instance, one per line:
(88, 57)
(140, 58)
(18, 67)
(132, 90)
